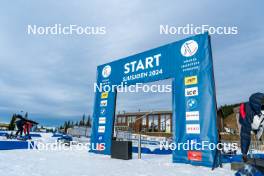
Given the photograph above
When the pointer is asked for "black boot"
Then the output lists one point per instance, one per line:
(245, 159)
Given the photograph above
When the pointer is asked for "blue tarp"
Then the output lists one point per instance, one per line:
(12, 145)
(57, 135)
(32, 135)
(238, 158)
(3, 133)
(35, 135)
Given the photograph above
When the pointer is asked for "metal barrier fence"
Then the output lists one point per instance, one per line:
(123, 133)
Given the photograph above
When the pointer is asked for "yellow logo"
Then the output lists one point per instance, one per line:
(190, 80)
(104, 95)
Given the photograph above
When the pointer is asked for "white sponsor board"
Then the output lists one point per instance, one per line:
(102, 120)
(101, 129)
(192, 91)
(193, 128)
(103, 103)
(192, 115)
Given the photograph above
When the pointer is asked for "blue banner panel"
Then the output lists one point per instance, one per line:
(189, 63)
(14, 145)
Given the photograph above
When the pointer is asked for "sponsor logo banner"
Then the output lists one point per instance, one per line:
(193, 91)
(101, 129)
(103, 103)
(194, 155)
(102, 111)
(102, 120)
(193, 128)
(100, 138)
(192, 115)
(191, 104)
(190, 80)
(104, 95)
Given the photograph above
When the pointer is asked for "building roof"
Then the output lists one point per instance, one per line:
(143, 113)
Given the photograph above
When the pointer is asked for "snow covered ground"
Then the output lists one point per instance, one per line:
(82, 163)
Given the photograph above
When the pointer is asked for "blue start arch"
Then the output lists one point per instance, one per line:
(189, 63)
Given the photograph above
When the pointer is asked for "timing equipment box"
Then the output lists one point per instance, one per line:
(121, 150)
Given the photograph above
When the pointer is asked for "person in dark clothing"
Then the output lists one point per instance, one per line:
(251, 118)
(20, 123)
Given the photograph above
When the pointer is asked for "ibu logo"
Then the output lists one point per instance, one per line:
(106, 71)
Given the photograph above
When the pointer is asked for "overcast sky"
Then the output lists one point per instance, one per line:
(52, 76)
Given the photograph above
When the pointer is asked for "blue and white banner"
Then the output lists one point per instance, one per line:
(189, 63)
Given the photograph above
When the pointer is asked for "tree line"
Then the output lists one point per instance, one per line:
(83, 122)
(227, 109)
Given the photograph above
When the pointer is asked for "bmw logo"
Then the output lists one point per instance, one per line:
(191, 103)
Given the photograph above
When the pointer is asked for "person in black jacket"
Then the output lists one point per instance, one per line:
(20, 123)
(251, 119)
